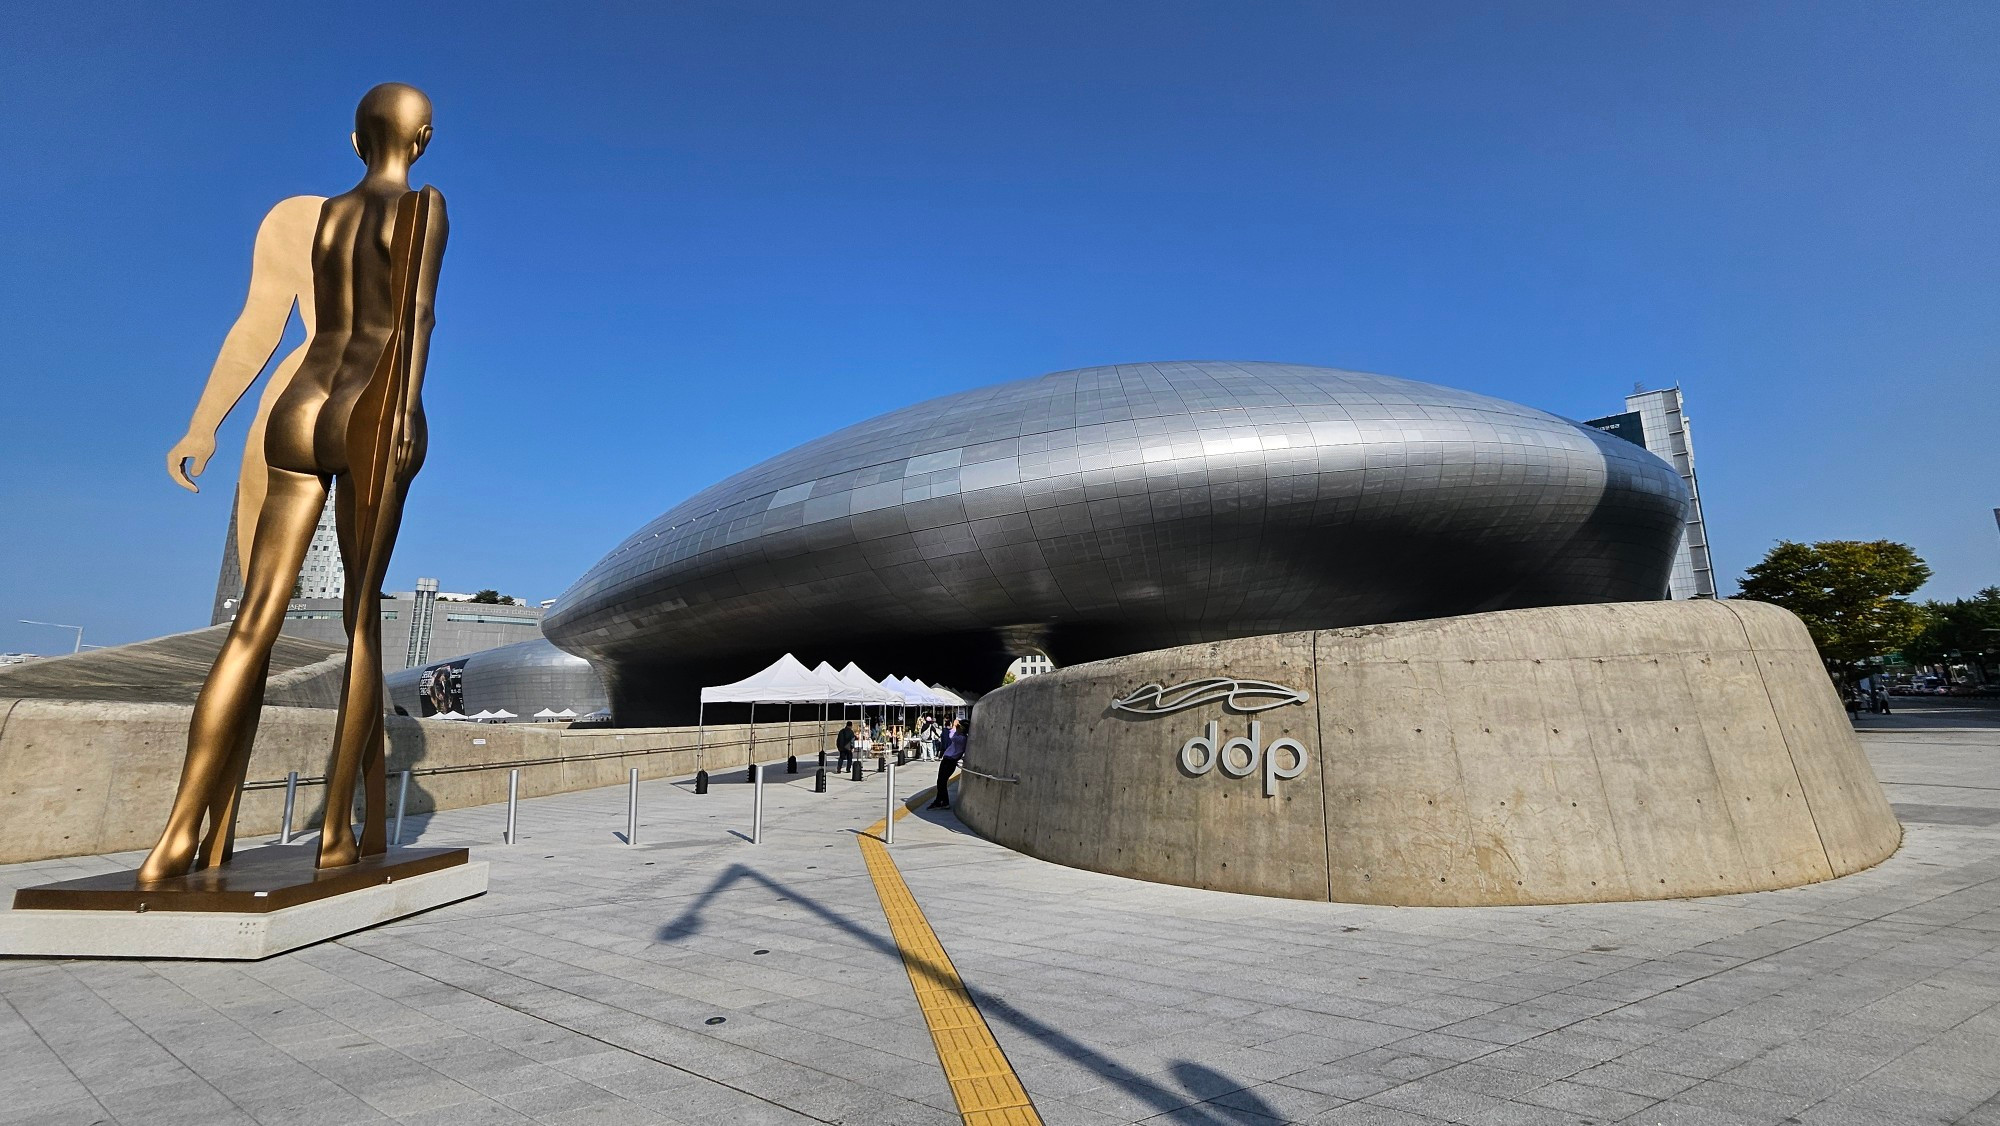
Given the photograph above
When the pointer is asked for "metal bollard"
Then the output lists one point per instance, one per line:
(291, 799)
(857, 768)
(632, 807)
(791, 764)
(757, 805)
(822, 760)
(701, 781)
(881, 764)
(750, 773)
(889, 810)
(513, 800)
(901, 758)
(819, 781)
(402, 803)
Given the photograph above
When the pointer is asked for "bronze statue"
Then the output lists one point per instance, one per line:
(345, 407)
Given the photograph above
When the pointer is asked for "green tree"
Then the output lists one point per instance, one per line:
(1965, 629)
(1849, 593)
(491, 597)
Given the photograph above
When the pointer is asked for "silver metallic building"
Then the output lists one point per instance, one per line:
(522, 678)
(1111, 510)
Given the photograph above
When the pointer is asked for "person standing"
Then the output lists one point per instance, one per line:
(844, 743)
(954, 750)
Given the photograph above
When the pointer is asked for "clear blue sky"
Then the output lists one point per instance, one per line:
(689, 236)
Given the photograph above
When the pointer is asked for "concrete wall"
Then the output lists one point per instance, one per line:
(1612, 752)
(80, 778)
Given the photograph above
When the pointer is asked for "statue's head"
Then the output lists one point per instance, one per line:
(392, 118)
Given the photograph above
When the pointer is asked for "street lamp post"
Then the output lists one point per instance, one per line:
(58, 625)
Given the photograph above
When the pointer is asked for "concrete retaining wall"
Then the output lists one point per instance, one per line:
(1613, 752)
(80, 778)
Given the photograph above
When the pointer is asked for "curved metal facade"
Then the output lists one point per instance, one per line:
(523, 678)
(1112, 510)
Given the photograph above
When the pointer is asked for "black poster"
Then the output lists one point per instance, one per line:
(443, 688)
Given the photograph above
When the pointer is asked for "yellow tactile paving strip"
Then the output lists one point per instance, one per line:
(983, 1082)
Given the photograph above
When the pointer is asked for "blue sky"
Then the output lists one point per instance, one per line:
(686, 237)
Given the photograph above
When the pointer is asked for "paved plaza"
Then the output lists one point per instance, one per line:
(697, 978)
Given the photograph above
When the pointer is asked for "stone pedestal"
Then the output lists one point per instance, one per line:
(266, 901)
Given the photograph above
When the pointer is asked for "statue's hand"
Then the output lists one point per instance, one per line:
(197, 448)
(410, 449)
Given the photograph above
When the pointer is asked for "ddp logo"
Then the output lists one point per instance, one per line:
(1240, 757)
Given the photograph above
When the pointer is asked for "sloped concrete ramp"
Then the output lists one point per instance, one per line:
(1565, 754)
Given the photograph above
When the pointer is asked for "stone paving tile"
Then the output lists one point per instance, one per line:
(580, 989)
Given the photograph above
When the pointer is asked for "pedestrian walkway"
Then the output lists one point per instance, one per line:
(697, 978)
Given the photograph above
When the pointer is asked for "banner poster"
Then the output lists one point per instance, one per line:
(442, 688)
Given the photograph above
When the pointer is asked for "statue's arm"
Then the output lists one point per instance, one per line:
(280, 274)
(420, 332)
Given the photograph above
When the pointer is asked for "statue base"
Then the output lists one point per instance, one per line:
(264, 902)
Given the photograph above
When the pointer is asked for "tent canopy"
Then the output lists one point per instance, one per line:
(545, 713)
(873, 693)
(785, 682)
(951, 699)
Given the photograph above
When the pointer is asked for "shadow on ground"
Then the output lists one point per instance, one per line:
(1198, 1083)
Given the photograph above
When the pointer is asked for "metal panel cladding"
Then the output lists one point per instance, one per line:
(1116, 509)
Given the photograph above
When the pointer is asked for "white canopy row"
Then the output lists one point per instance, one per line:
(789, 681)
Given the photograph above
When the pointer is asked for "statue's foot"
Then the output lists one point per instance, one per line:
(172, 857)
(337, 850)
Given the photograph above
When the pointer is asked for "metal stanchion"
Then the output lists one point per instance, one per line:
(889, 810)
(632, 807)
(291, 799)
(402, 803)
(513, 799)
(757, 805)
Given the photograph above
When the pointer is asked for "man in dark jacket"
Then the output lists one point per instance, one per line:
(954, 750)
(844, 743)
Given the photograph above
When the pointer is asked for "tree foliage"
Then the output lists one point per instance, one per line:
(491, 597)
(1849, 593)
(1965, 628)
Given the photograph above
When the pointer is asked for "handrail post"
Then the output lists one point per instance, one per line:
(291, 799)
(632, 808)
(757, 804)
(402, 802)
(513, 800)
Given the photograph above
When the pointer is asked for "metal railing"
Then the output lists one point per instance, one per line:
(513, 764)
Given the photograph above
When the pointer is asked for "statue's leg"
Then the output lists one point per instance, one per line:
(358, 739)
(225, 714)
(219, 843)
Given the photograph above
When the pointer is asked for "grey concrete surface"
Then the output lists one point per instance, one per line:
(1646, 750)
(79, 778)
(580, 989)
(305, 673)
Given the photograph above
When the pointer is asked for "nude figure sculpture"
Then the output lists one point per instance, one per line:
(344, 407)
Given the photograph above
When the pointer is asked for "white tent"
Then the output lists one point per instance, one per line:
(481, 714)
(785, 682)
(448, 715)
(547, 713)
(950, 698)
(503, 713)
(876, 694)
(566, 713)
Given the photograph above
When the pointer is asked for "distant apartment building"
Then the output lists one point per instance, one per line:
(1657, 421)
(418, 626)
(321, 576)
(1033, 664)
